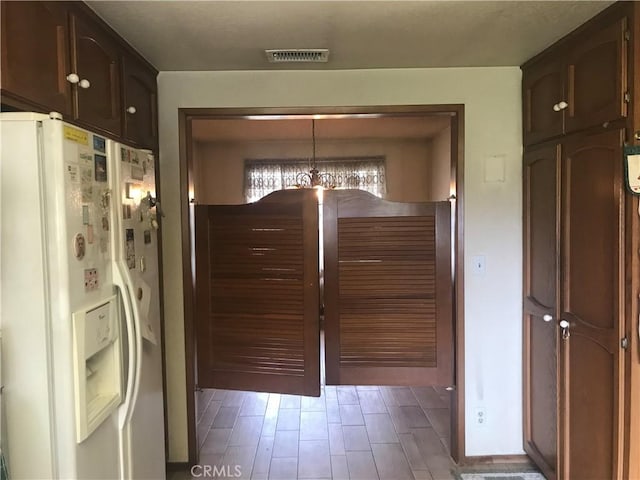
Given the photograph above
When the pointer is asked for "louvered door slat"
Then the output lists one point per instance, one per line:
(388, 291)
(257, 295)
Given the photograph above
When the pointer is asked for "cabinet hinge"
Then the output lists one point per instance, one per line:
(627, 34)
(627, 97)
(624, 343)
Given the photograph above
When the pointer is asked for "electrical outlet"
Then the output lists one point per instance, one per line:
(481, 416)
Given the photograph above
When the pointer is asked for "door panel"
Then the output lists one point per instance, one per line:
(257, 294)
(95, 57)
(542, 85)
(35, 53)
(140, 101)
(541, 285)
(388, 291)
(597, 71)
(592, 280)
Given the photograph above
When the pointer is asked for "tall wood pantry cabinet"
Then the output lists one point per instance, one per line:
(578, 250)
(60, 56)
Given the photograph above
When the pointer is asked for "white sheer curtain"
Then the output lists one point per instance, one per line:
(264, 176)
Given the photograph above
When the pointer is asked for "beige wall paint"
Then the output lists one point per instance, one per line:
(440, 174)
(221, 165)
(493, 216)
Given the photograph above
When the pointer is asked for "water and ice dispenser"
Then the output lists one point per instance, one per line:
(97, 365)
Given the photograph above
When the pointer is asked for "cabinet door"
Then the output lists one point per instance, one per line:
(541, 283)
(542, 88)
(95, 58)
(35, 54)
(140, 95)
(592, 296)
(597, 78)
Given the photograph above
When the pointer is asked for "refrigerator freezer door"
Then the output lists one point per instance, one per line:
(55, 260)
(77, 195)
(138, 253)
(28, 392)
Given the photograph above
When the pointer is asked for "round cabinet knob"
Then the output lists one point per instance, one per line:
(131, 110)
(73, 78)
(556, 107)
(547, 317)
(564, 324)
(562, 105)
(84, 83)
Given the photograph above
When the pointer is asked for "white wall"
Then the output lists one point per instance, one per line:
(220, 165)
(493, 218)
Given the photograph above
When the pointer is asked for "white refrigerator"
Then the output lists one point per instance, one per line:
(79, 304)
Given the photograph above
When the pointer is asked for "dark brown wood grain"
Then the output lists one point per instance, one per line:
(43, 42)
(597, 77)
(257, 294)
(599, 292)
(95, 56)
(141, 92)
(541, 284)
(632, 293)
(542, 88)
(587, 69)
(187, 234)
(592, 293)
(35, 53)
(388, 291)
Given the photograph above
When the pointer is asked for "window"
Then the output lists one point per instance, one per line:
(264, 176)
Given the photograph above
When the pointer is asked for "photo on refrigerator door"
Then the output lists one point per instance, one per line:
(100, 168)
(130, 248)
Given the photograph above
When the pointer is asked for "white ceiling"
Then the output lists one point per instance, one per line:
(232, 35)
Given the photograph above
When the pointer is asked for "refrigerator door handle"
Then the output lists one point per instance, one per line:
(130, 345)
(137, 329)
(124, 283)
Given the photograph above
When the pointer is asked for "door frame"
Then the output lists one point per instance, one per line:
(187, 182)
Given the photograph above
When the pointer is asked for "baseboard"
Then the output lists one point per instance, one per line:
(480, 460)
(177, 466)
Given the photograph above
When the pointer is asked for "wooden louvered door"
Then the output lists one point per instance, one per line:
(257, 295)
(388, 291)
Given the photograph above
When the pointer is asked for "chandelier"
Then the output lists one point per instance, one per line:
(314, 178)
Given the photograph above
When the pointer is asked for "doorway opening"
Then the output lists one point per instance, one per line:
(410, 180)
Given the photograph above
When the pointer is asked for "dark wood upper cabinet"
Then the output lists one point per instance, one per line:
(140, 100)
(542, 89)
(59, 56)
(597, 78)
(35, 54)
(95, 59)
(579, 83)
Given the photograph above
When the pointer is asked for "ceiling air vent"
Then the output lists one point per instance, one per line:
(316, 55)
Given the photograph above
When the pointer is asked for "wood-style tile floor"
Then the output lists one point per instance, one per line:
(359, 433)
